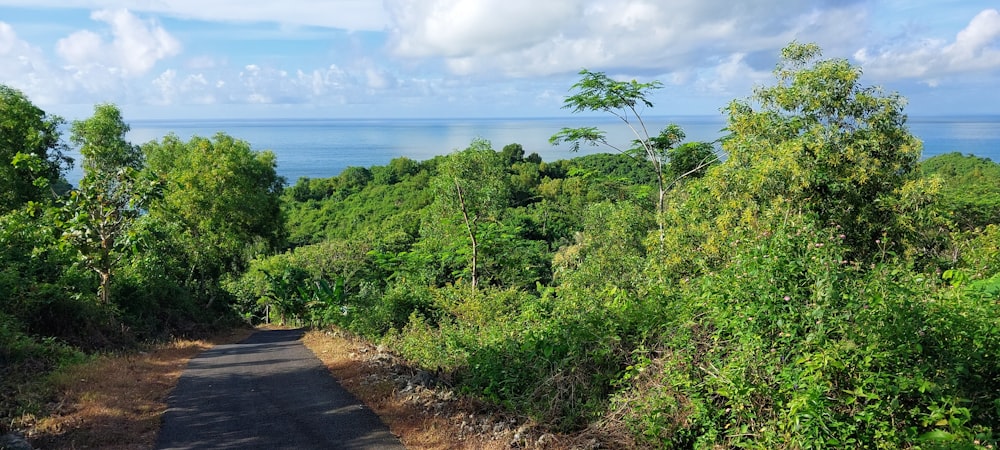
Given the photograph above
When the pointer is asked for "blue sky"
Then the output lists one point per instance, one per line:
(178, 59)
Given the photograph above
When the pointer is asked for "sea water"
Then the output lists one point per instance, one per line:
(320, 148)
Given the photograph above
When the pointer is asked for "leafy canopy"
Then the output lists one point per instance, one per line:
(222, 194)
(822, 142)
(624, 100)
(31, 150)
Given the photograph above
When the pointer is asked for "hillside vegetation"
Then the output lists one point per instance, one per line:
(136, 253)
(806, 282)
(814, 286)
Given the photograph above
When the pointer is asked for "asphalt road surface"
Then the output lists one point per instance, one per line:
(267, 392)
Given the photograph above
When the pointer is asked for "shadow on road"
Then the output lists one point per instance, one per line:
(267, 392)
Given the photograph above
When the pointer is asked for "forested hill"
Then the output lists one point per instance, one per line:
(807, 282)
(816, 286)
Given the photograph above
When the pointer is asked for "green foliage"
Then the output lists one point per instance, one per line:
(970, 191)
(819, 139)
(99, 217)
(789, 345)
(809, 291)
(786, 304)
(38, 279)
(471, 191)
(221, 199)
(309, 284)
(100, 214)
(626, 101)
(512, 154)
(317, 209)
(609, 252)
(22, 357)
(102, 143)
(691, 159)
(28, 131)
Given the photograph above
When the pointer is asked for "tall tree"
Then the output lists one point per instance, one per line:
(221, 198)
(27, 131)
(626, 101)
(111, 193)
(474, 185)
(822, 142)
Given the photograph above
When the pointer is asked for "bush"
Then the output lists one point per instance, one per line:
(791, 346)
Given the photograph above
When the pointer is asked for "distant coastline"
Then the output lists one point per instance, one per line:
(321, 147)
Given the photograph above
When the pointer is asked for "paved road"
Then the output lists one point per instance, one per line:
(267, 392)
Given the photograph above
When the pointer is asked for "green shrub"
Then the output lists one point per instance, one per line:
(791, 346)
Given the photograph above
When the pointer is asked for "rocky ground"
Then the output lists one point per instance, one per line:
(413, 401)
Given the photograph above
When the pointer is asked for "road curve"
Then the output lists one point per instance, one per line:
(267, 392)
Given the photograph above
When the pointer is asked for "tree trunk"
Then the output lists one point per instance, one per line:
(472, 235)
(104, 289)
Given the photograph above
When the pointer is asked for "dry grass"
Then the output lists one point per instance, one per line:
(416, 427)
(115, 402)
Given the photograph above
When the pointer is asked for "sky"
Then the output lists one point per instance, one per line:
(219, 59)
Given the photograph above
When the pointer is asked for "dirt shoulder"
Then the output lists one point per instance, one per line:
(421, 408)
(114, 401)
(117, 401)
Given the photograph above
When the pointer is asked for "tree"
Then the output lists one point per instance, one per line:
(691, 159)
(474, 184)
(625, 101)
(221, 200)
(111, 194)
(609, 251)
(353, 179)
(102, 142)
(512, 153)
(823, 143)
(27, 133)
(970, 191)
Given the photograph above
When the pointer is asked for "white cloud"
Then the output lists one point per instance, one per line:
(732, 76)
(82, 48)
(136, 45)
(502, 53)
(458, 29)
(343, 14)
(377, 79)
(976, 48)
(23, 66)
(166, 84)
(528, 38)
(270, 85)
(12, 48)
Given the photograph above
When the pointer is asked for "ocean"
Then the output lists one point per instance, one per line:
(320, 148)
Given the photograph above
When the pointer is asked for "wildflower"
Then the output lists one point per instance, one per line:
(787, 298)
